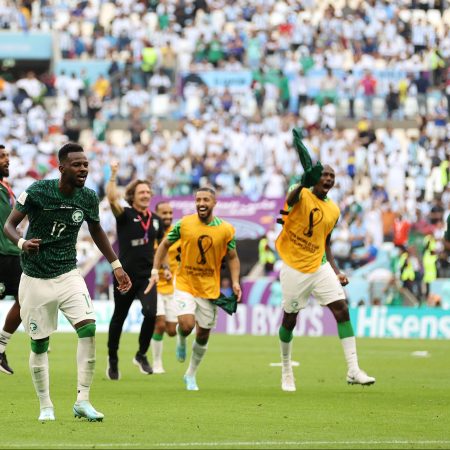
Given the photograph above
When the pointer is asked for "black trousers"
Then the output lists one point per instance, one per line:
(122, 304)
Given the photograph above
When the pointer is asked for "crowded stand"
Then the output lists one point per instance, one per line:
(195, 92)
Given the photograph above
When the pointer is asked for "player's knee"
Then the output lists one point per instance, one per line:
(87, 330)
(40, 345)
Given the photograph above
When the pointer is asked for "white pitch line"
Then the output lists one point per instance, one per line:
(231, 444)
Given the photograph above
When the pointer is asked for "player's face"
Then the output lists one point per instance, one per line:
(165, 212)
(75, 169)
(326, 181)
(4, 163)
(142, 197)
(205, 202)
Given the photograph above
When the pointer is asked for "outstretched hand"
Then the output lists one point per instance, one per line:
(312, 176)
(151, 282)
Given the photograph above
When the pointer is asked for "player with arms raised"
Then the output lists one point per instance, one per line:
(309, 266)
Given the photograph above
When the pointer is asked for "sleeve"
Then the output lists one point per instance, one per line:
(93, 210)
(231, 245)
(175, 234)
(25, 201)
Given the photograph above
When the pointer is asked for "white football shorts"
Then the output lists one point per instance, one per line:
(297, 287)
(166, 307)
(40, 299)
(204, 310)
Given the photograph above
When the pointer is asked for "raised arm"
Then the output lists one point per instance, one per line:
(112, 192)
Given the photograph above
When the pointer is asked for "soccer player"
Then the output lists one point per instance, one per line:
(137, 229)
(51, 281)
(166, 314)
(204, 241)
(309, 268)
(10, 269)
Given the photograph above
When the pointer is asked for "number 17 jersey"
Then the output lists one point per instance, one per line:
(56, 219)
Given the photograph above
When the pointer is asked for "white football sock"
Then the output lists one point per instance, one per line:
(4, 339)
(198, 351)
(40, 376)
(86, 366)
(157, 348)
(349, 346)
(286, 349)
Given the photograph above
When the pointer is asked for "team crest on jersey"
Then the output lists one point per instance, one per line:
(77, 216)
(33, 327)
(155, 225)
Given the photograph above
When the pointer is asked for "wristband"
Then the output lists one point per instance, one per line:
(116, 264)
(20, 243)
(154, 272)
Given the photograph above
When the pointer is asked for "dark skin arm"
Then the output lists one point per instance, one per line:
(293, 196)
(101, 241)
(10, 230)
(342, 277)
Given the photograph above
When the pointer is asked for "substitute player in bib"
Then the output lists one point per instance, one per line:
(51, 281)
(166, 313)
(309, 268)
(10, 270)
(138, 229)
(204, 241)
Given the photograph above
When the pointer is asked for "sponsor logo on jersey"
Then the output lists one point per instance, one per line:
(77, 216)
(156, 224)
(2, 289)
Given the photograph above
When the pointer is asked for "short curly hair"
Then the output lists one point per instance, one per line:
(131, 189)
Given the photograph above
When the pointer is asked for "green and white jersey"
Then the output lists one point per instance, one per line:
(56, 220)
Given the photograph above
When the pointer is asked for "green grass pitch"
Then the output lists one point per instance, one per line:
(240, 403)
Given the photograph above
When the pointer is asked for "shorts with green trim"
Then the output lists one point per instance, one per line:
(41, 299)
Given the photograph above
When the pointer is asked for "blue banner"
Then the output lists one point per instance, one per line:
(25, 45)
(401, 322)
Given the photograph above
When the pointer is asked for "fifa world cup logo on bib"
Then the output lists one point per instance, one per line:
(315, 217)
(204, 243)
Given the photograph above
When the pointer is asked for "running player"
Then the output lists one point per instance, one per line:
(51, 281)
(204, 241)
(166, 314)
(309, 268)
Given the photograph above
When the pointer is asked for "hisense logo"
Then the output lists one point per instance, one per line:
(401, 323)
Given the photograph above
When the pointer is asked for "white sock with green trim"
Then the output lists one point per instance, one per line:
(198, 351)
(40, 376)
(349, 346)
(86, 366)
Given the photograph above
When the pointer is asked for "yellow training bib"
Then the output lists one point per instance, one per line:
(301, 243)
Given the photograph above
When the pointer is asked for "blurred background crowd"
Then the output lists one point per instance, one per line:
(195, 92)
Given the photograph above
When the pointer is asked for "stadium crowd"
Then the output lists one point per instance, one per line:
(313, 64)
